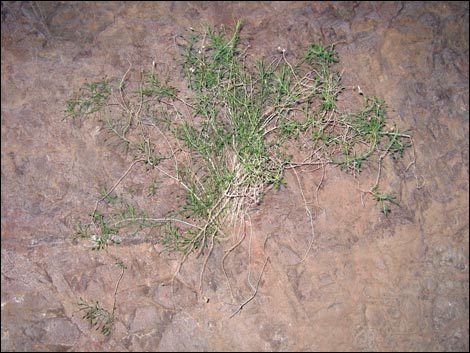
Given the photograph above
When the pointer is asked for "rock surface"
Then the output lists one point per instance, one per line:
(369, 283)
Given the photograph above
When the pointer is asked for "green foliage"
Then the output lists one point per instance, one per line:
(236, 129)
(92, 97)
(106, 232)
(228, 141)
(384, 200)
(97, 316)
(320, 55)
(157, 88)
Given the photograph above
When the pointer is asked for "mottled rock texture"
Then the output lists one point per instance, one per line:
(370, 282)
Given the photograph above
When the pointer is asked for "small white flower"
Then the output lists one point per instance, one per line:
(192, 69)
